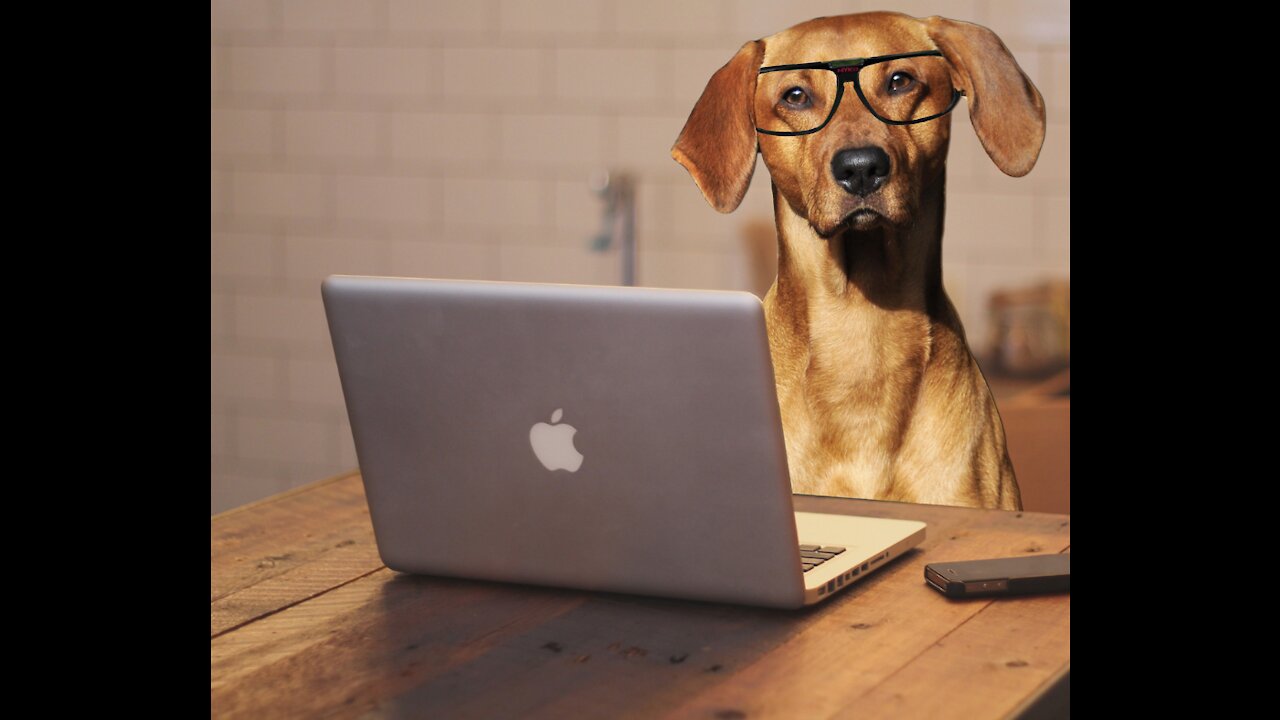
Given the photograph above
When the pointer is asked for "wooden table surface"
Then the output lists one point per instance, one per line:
(306, 621)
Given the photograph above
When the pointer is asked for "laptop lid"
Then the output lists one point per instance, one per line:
(621, 439)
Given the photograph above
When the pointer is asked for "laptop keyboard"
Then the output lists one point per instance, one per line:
(814, 555)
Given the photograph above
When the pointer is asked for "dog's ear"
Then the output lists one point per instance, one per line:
(1005, 107)
(718, 143)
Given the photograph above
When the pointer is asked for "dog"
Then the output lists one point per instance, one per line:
(880, 395)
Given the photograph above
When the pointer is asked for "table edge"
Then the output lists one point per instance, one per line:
(284, 494)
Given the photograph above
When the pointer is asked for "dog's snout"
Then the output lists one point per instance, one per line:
(861, 171)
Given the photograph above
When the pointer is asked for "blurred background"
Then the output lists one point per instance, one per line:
(506, 140)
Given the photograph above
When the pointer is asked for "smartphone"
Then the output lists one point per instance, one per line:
(1003, 576)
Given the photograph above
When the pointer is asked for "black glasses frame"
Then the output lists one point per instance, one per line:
(847, 70)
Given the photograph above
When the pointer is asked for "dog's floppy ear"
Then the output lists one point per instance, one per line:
(718, 143)
(1005, 107)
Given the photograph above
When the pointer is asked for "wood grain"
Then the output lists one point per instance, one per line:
(861, 638)
(283, 550)
(327, 630)
(1010, 643)
(366, 643)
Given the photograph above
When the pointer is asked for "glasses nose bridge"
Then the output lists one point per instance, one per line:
(843, 94)
(846, 73)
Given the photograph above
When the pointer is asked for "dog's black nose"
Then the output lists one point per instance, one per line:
(861, 171)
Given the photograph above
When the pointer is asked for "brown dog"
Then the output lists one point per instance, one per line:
(880, 395)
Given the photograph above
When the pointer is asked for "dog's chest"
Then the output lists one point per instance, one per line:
(866, 356)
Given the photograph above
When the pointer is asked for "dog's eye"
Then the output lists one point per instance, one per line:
(795, 97)
(900, 81)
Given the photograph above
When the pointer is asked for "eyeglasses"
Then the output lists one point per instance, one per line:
(901, 89)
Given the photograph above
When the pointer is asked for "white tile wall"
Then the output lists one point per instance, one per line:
(314, 381)
(240, 376)
(233, 15)
(327, 15)
(454, 138)
(456, 256)
(278, 70)
(497, 202)
(330, 134)
(675, 19)
(472, 138)
(969, 229)
(551, 263)
(378, 71)
(1059, 82)
(629, 74)
(753, 19)
(541, 142)
(243, 260)
(384, 199)
(503, 75)
(442, 17)
(1046, 22)
(279, 321)
(309, 260)
(270, 194)
(285, 439)
(241, 132)
(553, 19)
(1053, 228)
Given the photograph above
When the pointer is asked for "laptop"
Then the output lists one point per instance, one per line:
(602, 438)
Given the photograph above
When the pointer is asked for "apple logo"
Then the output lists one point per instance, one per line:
(553, 444)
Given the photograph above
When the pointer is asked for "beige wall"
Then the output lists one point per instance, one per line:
(454, 139)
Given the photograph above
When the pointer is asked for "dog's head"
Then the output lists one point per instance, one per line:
(857, 171)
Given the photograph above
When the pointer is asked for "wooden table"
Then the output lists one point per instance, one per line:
(306, 621)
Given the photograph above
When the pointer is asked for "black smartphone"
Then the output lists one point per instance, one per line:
(1002, 576)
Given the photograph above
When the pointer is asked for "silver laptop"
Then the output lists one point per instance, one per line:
(602, 438)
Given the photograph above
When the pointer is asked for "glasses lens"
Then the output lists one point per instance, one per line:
(907, 89)
(794, 100)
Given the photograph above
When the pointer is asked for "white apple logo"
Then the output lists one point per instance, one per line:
(553, 444)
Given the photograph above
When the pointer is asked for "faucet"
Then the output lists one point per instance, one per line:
(618, 222)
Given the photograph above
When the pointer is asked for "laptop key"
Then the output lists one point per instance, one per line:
(811, 556)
